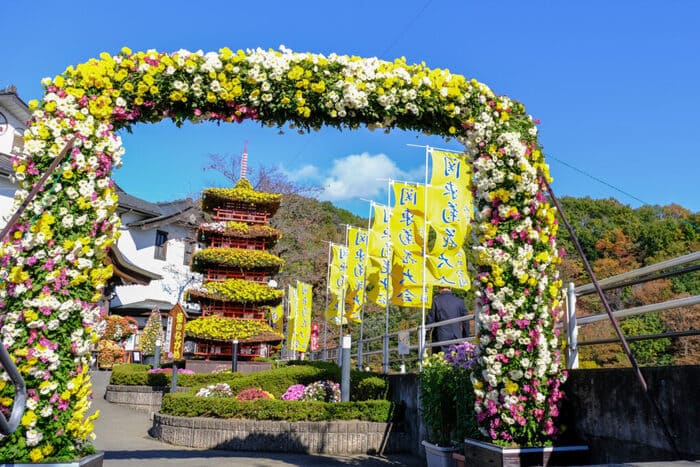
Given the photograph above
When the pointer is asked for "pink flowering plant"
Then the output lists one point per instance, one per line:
(294, 392)
(53, 266)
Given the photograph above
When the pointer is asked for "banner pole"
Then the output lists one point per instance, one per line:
(421, 337)
(389, 254)
(360, 346)
(324, 353)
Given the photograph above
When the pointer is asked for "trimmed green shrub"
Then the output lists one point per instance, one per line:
(276, 381)
(138, 375)
(369, 388)
(188, 405)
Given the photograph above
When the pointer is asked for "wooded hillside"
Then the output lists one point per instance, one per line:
(615, 238)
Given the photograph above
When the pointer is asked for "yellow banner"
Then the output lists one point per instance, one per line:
(407, 216)
(357, 265)
(448, 270)
(379, 239)
(449, 166)
(379, 283)
(407, 223)
(337, 280)
(276, 316)
(293, 305)
(334, 311)
(407, 279)
(450, 208)
(302, 323)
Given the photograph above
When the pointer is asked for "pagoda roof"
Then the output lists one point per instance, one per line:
(242, 196)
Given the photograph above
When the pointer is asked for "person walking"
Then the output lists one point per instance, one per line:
(447, 306)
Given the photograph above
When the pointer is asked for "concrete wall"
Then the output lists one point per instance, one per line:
(210, 366)
(608, 410)
(146, 399)
(403, 390)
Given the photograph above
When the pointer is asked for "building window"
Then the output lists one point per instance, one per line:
(189, 251)
(161, 250)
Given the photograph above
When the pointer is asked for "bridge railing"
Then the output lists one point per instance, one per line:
(673, 267)
(387, 346)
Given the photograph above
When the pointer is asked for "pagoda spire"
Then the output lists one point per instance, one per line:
(244, 160)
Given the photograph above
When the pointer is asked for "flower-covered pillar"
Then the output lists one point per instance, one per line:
(53, 269)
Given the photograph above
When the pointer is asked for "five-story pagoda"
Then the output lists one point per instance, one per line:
(237, 267)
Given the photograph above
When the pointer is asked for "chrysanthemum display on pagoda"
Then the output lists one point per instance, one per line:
(237, 267)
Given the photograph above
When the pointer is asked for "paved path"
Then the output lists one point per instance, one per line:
(122, 434)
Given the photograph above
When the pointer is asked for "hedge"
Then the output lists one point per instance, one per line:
(188, 405)
(363, 385)
(137, 375)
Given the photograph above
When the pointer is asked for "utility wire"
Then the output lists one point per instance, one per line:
(403, 31)
(599, 180)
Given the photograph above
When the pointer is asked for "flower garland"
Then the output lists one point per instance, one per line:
(236, 258)
(52, 263)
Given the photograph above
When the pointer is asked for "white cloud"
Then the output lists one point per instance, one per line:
(307, 172)
(361, 176)
(355, 176)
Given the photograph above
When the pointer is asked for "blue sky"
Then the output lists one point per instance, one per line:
(615, 85)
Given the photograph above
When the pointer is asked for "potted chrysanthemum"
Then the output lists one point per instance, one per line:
(447, 403)
(151, 337)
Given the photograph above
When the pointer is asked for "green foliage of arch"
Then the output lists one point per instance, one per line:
(53, 275)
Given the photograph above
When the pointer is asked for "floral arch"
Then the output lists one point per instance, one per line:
(53, 269)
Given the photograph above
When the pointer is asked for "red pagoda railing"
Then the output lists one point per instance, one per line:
(233, 311)
(250, 217)
(218, 275)
(245, 243)
(223, 349)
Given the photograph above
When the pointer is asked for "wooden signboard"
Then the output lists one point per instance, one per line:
(176, 337)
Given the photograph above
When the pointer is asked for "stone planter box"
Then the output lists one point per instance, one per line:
(94, 460)
(146, 399)
(210, 366)
(481, 453)
(337, 437)
(438, 456)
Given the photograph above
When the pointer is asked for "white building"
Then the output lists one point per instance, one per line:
(151, 258)
(158, 237)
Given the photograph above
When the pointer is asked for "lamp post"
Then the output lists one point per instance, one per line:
(156, 356)
(345, 370)
(234, 356)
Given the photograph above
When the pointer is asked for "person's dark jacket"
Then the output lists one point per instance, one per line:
(446, 306)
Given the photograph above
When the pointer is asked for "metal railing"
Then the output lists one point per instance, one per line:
(8, 426)
(389, 350)
(673, 267)
(387, 346)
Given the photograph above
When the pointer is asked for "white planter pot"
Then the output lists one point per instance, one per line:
(438, 456)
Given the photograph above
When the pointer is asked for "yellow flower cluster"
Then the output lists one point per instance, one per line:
(237, 290)
(238, 258)
(224, 329)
